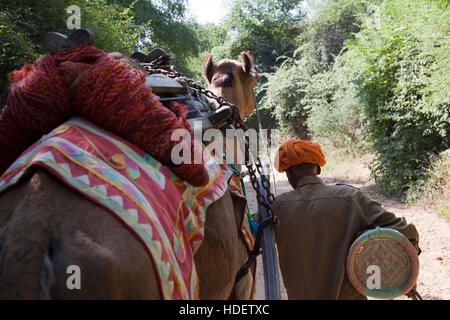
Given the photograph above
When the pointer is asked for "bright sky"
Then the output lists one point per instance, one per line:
(205, 11)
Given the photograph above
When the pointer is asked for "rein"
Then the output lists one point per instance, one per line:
(241, 175)
(255, 252)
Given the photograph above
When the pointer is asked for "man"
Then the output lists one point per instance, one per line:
(318, 224)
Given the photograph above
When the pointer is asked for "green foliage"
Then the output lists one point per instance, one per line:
(34, 18)
(120, 25)
(307, 94)
(435, 190)
(24, 23)
(209, 36)
(286, 90)
(266, 28)
(269, 30)
(373, 68)
(114, 26)
(404, 87)
(334, 22)
(20, 35)
(334, 110)
(165, 28)
(15, 50)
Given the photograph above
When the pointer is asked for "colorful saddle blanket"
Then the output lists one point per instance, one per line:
(166, 214)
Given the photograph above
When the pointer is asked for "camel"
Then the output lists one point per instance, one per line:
(45, 226)
(233, 80)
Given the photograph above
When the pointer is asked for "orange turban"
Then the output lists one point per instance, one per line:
(296, 152)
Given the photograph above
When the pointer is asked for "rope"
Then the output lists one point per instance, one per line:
(267, 151)
(413, 294)
(251, 219)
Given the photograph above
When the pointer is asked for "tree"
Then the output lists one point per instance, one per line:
(333, 23)
(402, 56)
(209, 36)
(305, 88)
(266, 28)
(119, 25)
(166, 28)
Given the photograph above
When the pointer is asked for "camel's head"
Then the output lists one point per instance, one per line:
(233, 80)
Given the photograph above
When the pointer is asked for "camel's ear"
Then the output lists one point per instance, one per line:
(208, 68)
(247, 62)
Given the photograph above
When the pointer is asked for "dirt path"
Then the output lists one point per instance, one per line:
(434, 230)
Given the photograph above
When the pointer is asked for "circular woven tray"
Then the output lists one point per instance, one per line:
(393, 254)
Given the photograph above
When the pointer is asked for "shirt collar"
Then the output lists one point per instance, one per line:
(308, 180)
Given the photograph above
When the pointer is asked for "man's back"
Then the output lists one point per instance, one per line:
(318, 224)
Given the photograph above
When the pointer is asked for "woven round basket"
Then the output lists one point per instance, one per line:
(382, 263)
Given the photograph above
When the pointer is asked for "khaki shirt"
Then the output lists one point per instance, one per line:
(318, 224)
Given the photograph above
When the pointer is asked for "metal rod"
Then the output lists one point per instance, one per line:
(269, 253)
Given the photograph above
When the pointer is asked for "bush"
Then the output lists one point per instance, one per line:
(23, 24)
(434, 192)
(334, 22)
(404, 87)
(309, 93)
(114, 26)
(15, 49)
(334, 110)
(285, 91)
